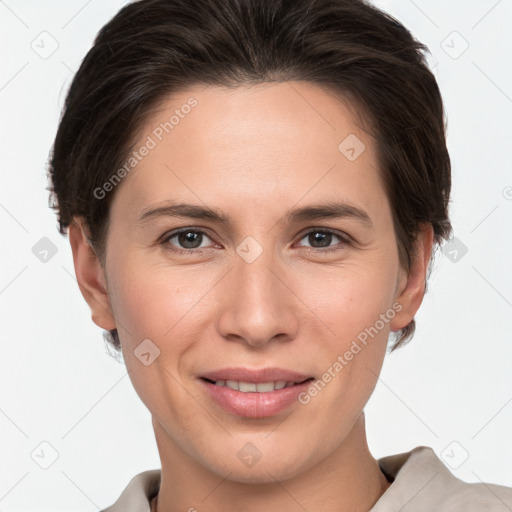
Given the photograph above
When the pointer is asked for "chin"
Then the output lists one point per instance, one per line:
(252, 466)
(262, 473)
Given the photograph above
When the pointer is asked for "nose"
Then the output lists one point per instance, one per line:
(258, 304)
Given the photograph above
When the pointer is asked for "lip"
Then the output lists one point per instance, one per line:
(254, 404)
(257, 376)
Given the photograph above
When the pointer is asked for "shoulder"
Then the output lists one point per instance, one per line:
(138, 493)
(421, 483)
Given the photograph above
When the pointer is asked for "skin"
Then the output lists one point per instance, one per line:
(255, 153)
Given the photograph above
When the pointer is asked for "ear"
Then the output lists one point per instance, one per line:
(411, 286)
(90, 275)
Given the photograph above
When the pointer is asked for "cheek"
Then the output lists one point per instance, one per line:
(154, 301)
(352, 340)
(349, 298)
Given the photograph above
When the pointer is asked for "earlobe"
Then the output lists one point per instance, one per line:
(90, 276)
(412, 286)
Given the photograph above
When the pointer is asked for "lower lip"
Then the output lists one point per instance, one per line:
(253, 404)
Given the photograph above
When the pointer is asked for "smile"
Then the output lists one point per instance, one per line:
(253, 387)
(254, 399)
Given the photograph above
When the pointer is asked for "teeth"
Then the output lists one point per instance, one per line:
(233, 384)
(248, 387)
(263, 386)
(251, 387)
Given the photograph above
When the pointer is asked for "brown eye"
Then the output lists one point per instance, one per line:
(187, 240)
(323, 238)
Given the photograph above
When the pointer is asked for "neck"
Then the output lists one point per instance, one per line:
(349, 479)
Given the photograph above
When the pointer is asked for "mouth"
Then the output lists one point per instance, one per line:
(254, 400)
(256, 387)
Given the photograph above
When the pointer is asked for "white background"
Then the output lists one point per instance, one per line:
(453, 382)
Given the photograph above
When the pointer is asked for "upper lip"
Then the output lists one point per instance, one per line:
(256, 376)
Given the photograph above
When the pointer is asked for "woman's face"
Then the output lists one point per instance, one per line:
(267, 287)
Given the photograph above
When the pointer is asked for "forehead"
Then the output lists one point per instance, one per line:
(263, 145)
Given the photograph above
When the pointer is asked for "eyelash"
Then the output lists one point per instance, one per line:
(168, 236)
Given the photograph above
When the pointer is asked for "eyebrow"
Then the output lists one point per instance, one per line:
(328, 210)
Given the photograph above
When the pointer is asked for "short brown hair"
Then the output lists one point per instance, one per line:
(152, 48)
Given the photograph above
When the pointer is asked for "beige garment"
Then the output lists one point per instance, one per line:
(421, 483)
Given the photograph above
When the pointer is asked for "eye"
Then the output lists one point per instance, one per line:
(189, 239)
(321, 238)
